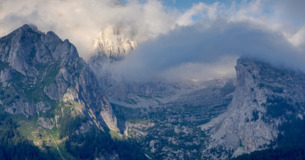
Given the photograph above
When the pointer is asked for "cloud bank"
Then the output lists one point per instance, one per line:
(187, 49)
(208, 49)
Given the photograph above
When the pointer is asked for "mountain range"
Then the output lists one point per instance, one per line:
(54, 105)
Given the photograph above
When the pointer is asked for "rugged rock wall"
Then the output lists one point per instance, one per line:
(265, 97)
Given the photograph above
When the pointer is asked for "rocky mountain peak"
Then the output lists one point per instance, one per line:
(26, 28)
(114, 42)
(40, 69)
(27, 48)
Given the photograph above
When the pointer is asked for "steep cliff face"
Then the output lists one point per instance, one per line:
(264, 98)
(40, 70)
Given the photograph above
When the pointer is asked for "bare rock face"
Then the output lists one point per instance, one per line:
(37, 69)
(113, 42)
(264, 98)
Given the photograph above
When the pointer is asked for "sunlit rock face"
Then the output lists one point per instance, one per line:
(114, 42)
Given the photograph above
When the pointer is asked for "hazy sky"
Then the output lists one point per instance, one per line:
(189, 39)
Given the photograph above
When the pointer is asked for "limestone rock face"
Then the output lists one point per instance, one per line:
(113, 42)
(37, 69)
(255, 113)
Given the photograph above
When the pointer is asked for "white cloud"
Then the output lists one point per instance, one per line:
(200, 10)
(298, 38)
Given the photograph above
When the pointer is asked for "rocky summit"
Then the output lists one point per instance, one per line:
(38, 70)
(58, 108)
(113, 43)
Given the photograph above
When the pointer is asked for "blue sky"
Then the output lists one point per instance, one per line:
(186, 4)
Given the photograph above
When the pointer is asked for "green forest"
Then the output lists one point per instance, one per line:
(14, 146)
